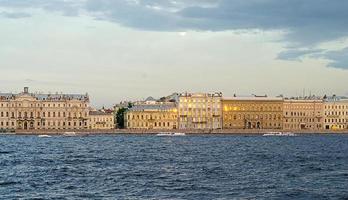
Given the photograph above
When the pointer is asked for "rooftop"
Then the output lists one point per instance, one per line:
(254, 98)
(159, 107)
(99, 112)
(44, 97)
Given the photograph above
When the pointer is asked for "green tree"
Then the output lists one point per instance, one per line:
(120, 117)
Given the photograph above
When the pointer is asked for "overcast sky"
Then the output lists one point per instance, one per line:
(130, 49)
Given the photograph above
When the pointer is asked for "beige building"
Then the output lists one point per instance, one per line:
(336, 114)
(303, 114)
(29, 111)
(101, 120)
(152, 115)
(252, 113)
(200, 111)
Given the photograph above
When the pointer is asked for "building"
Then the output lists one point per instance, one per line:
(303, 114)
(252, 112)
(200, 111)
(101, 120)
(335, 114)
(29, 111)
(152, 115)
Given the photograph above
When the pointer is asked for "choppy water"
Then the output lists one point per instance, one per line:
(191, 167)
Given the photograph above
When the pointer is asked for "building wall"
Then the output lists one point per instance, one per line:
(303, 114)
(200, 111)
(101, 121)
(336, 115)
(252, 113)
(25, 112)
(152, 119)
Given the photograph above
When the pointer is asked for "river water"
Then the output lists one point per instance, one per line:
(189, 167)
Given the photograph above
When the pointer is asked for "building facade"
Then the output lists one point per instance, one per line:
(101, 120)
(335, 114)
(200, 111)
(303, 114)
(29, 111)
(252, 113)
(152, 115)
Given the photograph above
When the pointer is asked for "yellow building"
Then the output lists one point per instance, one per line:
(29, 111)
(200, 111)
(154, 115)
(252, 113)
(336, 114)
(303, 114)
(101, 120)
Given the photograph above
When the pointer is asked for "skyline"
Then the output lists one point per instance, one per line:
(304, 94)
(119, 50)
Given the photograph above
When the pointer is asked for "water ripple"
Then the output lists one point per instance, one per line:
(192, 167)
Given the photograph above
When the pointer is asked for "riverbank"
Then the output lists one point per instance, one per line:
(155, 131)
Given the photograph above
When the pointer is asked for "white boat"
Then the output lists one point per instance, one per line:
(69, 134)
(7, 133)
(170, 134)
(44, 136)
(279, 134)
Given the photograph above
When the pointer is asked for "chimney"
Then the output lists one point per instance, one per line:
(26, 90)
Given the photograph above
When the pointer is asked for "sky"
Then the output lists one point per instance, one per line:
(117, 50)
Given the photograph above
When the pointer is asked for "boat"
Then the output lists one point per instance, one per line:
(170, 134)
(279, 134)
(69, 134)
(7, 133)
(44, 136)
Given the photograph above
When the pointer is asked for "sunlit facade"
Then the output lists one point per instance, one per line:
(29, 111)
(154, 115)
(252, 113)
(200, 111)
(303, 114)
(336, 114)
(101, 120)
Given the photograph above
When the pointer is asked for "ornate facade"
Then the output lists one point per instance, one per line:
(28, 111)
(200, 111)
(252, 113)
(303, 114)
(152, 115)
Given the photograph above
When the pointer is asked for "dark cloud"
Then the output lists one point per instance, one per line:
(66, 7)
(339, 59)
(307, 23)
(296, 54)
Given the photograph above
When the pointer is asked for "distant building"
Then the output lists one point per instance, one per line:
(303, 114)
(152, 115)
(123, 104)
(335, 114)
(29, 111)
(101, 120)
(255, 112)
(200, 111)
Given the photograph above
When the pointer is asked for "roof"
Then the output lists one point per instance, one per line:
(197, 95)
(98, 112)
(303, 100)
(81, 97)
(253, 98)
(150, 99)
(159, 107)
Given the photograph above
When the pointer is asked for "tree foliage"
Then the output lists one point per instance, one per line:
(120, 117)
